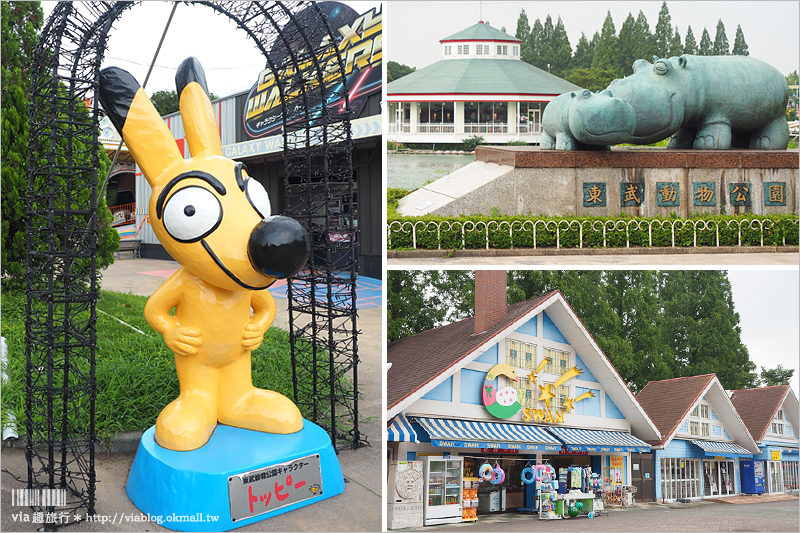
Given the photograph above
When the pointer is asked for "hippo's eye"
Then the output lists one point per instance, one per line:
(586, 93)
(192, 213)
(661, 68)
(258, 197)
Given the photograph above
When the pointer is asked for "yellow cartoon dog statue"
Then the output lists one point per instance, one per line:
(216, 222)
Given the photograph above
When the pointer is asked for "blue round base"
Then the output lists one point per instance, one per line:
(237, 478)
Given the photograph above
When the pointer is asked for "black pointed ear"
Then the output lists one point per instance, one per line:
(189, 71)
(117, 89)
(137, 121)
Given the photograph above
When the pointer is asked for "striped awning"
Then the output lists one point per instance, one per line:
(400, 430)
(470, 434)
(722, 449)
(592, 440)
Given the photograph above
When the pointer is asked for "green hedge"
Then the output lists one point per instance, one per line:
(437, 232)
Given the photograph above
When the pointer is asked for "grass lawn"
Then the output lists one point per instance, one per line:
(135, 372)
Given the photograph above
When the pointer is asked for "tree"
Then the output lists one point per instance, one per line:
(420, 300)
(545, 45)
(645, 41)
(676, 48)
(532, 53)
(166, 102)
(701, 327)
(721, 46)
(523, 32)
(776, 376)
(663, 33)
(561, 50)
(20, 32)
(628, 44)
(594, 79)
(21, 22)
(395, 71)
(690, 45)
(705, 48)
(793, 79)
(739, 44)
(606, 54)
(582, 59)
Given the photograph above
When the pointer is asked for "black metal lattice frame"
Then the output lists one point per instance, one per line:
(62, 279)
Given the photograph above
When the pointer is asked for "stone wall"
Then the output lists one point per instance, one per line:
(633, 181)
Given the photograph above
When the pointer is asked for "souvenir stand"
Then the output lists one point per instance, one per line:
(469, 499)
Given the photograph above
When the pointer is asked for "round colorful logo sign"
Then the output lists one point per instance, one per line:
(501, 403)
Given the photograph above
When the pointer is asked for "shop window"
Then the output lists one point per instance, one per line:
(694, 411)
(680, 478)
(563, 362)
(562, 393)
(703, 411)
(704, 427)
(505, 50)
(512, 353)
(550, 355)
(693, 428)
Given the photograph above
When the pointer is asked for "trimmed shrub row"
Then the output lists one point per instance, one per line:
(503, 232)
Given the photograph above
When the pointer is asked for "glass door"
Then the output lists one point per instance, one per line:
(453, 483)
(436, 483)
(775, 478)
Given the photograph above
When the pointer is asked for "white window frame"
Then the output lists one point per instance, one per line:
(695, 411)
(704, 429)
(704, 411)
(694, 428)
(448, 49)
(779, 415)
(505, 49)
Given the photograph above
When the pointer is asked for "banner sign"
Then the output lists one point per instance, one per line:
(359, 40)
(495, 445)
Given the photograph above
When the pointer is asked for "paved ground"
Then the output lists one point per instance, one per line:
(772, 516)
(357, 509)
(570, 261)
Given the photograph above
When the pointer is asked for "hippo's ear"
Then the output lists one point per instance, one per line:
(640, 64)
(682, 61)
(655, 58)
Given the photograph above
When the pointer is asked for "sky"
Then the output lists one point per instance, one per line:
(413, 29)
(230, 60)
(768, 303)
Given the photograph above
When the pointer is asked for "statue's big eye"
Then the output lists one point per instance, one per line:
(258, 197)
(661, 68)
(192, 213)
(586, 93)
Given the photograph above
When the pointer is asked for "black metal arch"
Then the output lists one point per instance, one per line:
(62, 279)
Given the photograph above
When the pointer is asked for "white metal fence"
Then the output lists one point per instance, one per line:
(606, 227)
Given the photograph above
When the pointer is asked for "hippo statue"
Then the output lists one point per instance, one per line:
(583, 120)
(706, 103)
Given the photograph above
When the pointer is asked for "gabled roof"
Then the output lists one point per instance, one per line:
(481, 76)
(682, 394)
(419, 359)
(757, 407)
(480, 32)
(421, 362)
(669, 401)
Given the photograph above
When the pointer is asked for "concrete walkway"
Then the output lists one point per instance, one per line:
(357, 509)
(695, 516)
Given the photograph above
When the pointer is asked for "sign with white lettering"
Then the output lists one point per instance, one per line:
(260, 491)
(359, 45)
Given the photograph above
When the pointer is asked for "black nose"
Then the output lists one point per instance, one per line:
(279, 246)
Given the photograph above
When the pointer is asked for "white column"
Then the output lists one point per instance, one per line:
(458, 109)
(513, 115)
(414, 117)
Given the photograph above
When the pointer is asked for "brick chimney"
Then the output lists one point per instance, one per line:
(490, 298)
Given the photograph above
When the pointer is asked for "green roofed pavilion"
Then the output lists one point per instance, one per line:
(480, 86)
